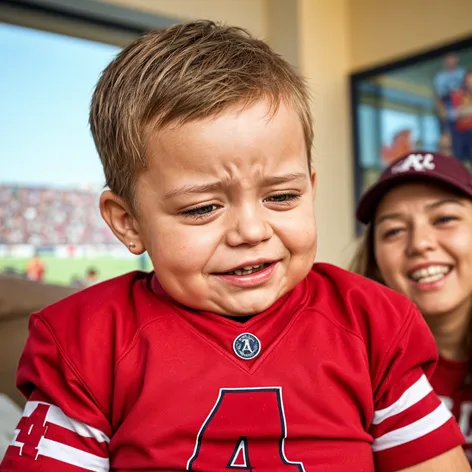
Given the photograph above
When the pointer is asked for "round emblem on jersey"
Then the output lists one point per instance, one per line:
(247, 346)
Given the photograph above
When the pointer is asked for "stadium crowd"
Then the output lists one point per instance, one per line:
(45, 217)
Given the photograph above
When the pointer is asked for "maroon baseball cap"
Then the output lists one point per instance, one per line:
(415, 166)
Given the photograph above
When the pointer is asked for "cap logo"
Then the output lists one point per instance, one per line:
(416, 162)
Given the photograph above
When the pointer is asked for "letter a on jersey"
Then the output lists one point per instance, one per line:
(245, 430)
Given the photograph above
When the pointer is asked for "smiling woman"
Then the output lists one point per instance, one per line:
(419, 242)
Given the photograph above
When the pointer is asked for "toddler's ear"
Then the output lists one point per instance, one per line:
(119, 217)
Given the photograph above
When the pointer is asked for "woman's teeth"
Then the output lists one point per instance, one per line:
(430, 274)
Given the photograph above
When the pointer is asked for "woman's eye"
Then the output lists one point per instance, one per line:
(391, 232)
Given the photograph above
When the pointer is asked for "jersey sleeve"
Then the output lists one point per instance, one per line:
(63, 428)
(410, 424)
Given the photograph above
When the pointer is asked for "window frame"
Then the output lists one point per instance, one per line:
(87, 19)
(356, 78)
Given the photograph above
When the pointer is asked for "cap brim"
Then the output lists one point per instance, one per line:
(368, 203)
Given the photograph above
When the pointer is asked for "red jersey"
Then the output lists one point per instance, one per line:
(332, 377)
(449, 382)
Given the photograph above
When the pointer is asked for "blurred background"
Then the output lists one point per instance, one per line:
(52, 52)
(385, 77)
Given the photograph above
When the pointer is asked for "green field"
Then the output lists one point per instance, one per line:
(61, 271)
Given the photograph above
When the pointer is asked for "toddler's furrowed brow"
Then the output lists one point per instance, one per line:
(215, 186)
(284, 179)
(193, 189)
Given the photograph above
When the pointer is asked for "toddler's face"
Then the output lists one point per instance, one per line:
(225, 209)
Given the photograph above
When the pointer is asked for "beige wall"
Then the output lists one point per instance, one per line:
(390, 29)
(327, 39)
(324, 60)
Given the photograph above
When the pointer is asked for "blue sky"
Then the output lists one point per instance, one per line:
(47, 82)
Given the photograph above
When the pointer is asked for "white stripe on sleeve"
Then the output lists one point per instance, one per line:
(70, 455)
(410, 397)
(418, 429)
